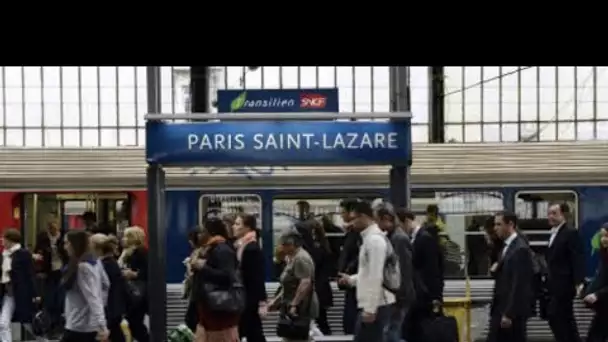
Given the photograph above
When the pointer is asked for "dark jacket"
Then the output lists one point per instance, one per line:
(323, 272)
(335, 243)
(219, 271)
(43, 247)
(117, 294)
(428, 267)
(565, 263)
(306, 235)
(23, 285)
(138, 262)
(220, 266)
(599, 285)
(252, 274)
(513, 288)
(403, 248)
(349, 258)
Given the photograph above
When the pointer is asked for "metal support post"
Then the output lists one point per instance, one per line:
(153, 89)
(400, 102)
(199, 89)
(157, 285)
(157, 256)
(437, 105)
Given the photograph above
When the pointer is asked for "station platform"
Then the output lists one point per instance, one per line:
(538, 330)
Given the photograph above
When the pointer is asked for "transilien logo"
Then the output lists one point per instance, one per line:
(238, 102)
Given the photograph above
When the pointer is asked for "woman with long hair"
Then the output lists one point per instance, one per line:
(86, 284)
(228, 220)
(134, 264)
(251, 266)
(597, 293)
(215, 268)
(103, 247)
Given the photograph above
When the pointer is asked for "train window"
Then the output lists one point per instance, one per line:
(464, 218)
(286, 212)
(226, 206)
(531, 207)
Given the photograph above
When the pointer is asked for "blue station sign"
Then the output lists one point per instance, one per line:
(278, 143)
(278, 100)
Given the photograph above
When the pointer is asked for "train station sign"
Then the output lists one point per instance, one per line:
(278, 100)
(279, 143)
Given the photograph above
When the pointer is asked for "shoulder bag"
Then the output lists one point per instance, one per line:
(136, 291)
(226, 299)
(296, 327)
(229, 300)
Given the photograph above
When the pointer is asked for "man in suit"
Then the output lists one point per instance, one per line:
(513, 289)
(566, 272)
(428, 276)
(387, 221)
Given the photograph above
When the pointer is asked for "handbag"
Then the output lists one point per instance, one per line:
(136, 291)
(222, 299)
(295, 327)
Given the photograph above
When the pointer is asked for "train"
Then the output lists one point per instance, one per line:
(468, 182)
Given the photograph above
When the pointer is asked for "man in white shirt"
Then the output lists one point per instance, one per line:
(374, 301)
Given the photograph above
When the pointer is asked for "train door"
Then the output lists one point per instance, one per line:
(66, 210)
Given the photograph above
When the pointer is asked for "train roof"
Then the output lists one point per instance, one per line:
(485, 164)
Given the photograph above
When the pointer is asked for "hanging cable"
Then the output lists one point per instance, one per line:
(487, 80)
(535, 135)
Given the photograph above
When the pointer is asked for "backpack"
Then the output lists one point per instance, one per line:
(181, 334)
(392, 271)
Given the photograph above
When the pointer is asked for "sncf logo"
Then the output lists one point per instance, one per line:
(314, 101)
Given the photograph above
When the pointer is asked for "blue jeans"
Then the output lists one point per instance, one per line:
(394, 327)
(374, 331)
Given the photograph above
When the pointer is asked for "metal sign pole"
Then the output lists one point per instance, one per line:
(400, 102)
(157, 258)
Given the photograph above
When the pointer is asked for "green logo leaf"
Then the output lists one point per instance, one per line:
(238, 102)
(596, 242)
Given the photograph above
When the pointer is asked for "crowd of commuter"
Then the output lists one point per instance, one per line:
(89, 285)
(391, 270)
(80, 285)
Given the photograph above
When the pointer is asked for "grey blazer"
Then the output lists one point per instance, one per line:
(403, 248)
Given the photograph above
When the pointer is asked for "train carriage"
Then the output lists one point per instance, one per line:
(466, 181)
